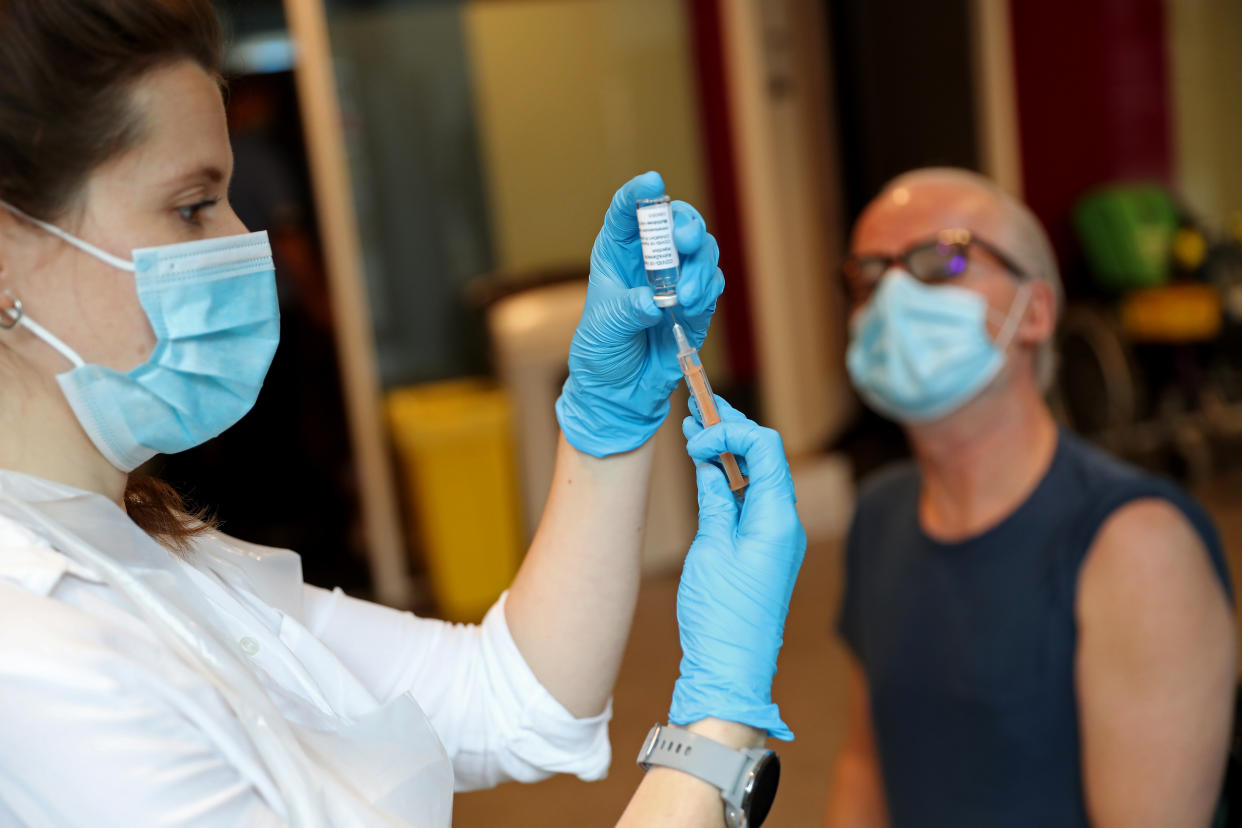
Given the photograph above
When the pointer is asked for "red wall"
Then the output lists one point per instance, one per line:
(1093, 100)
(719, 156)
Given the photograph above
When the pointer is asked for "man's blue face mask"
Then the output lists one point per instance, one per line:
(918, 352)
(213, 307)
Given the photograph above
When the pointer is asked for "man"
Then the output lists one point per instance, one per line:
(1040, 635)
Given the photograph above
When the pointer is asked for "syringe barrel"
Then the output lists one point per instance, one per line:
(701, 390)
(655, 232)
(690, 362)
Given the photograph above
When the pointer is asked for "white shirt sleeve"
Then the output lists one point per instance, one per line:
(496, 721)
(95, 729)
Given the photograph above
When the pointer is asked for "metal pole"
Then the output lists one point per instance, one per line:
(334, 203)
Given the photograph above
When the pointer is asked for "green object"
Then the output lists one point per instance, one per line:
(1127, 234)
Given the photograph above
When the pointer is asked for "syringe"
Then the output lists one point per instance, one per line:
(655, 230)
(701, 390)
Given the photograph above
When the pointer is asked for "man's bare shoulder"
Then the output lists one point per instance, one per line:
(1149, 575)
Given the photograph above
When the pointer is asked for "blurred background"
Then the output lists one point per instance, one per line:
(433, 173)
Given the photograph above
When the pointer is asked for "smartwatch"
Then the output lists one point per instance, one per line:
(747, 779)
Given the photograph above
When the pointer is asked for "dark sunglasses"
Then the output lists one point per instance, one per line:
(933, 261)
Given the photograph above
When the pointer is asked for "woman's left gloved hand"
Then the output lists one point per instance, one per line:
(738, 578)
(623, 361)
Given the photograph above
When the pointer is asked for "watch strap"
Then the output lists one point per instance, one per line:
(714, 763)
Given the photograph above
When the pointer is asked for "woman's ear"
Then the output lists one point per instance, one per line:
(9, 305)
(12, 230)
(16, 236)
(6, 239)
(7, 289)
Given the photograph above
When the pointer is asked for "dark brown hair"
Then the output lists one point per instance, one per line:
(67, 68)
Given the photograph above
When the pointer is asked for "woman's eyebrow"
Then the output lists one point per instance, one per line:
(207, 172)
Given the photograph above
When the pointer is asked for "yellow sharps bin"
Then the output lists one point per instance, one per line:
(455, 443)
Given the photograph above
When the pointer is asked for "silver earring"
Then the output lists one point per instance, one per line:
(10, 316)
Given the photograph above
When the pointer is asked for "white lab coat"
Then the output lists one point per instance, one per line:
(107, 717)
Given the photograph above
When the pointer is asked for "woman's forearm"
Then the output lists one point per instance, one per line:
(570, 607)
(668, 797)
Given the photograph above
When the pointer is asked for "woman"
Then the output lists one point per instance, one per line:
(155, 671)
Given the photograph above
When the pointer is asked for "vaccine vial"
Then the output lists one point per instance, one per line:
(655, 231)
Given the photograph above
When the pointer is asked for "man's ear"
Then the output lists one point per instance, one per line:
(1040, 320)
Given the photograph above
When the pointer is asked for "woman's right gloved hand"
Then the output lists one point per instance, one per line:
(622, 360)
(738, 578)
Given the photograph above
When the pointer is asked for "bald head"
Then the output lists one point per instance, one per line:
(917, 205)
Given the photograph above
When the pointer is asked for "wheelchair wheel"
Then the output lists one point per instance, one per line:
(1097, 385)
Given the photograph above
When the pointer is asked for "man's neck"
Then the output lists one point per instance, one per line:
(980, 464)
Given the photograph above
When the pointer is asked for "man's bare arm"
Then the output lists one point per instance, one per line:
(856, 791)
(1155, 672)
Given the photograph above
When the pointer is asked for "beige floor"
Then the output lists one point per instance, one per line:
(809, 689)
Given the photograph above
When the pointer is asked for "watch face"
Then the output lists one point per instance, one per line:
(767, 775)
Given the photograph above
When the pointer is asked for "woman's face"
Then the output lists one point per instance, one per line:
(171, 187)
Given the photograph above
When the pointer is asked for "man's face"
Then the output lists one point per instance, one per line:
(905, 216)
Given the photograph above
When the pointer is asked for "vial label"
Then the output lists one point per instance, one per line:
(655, 229)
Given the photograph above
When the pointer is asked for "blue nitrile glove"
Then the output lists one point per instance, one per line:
(623, 361)
(738, 578)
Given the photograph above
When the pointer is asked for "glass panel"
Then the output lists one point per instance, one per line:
(405, 97)
(490, 136)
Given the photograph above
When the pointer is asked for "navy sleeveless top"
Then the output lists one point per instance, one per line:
(969, 647)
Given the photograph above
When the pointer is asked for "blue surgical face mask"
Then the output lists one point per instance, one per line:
(213, 307)
(918, 352)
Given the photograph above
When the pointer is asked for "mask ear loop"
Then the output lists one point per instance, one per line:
(15, 315)
(1014, 317)
(84, 246)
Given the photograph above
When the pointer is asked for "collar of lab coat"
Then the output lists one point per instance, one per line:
(274, 575)
(38, 490)
(26, 558)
